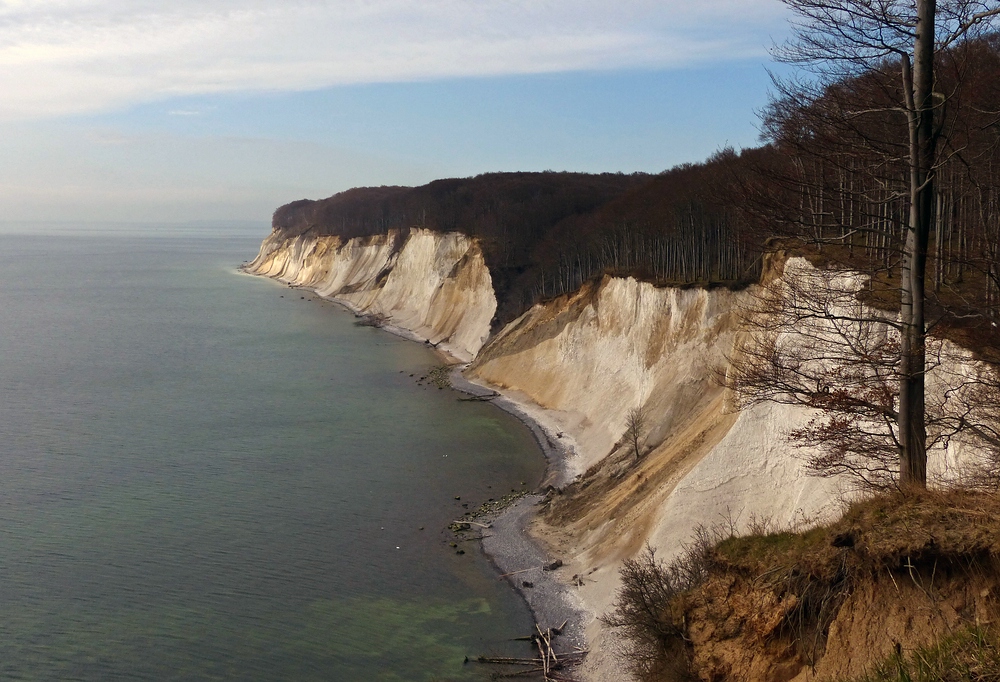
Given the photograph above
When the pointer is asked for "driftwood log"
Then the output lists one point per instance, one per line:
(548, 664)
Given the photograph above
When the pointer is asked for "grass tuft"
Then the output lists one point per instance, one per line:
(971, 655)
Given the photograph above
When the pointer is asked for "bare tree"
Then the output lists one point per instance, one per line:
(635, 429)
(841, 39)
(814, 343)
(967, 407)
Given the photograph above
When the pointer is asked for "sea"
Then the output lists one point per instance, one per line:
(206, 475)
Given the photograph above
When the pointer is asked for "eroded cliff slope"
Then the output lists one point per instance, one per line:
(579, 364)
(616, 345)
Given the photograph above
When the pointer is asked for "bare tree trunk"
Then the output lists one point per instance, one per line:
(918, 86)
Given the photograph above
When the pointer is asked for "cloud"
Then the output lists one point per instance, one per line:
(61, 57)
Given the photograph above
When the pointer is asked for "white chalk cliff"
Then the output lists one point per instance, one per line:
(434, 285)
(578, 364)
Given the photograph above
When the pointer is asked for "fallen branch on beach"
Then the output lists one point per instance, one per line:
(500, 660)
(523, 570)
(519, 673)
(548, 660)
(545, 567)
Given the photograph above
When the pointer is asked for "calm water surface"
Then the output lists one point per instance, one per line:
(200, 479)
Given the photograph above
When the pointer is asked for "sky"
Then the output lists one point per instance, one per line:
(208, 110)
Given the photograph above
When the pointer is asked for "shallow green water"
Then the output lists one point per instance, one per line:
(200, 479)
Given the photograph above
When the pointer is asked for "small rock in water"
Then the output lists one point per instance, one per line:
(553, 566)
(461, 551)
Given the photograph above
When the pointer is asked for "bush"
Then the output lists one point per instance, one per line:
(651, 634)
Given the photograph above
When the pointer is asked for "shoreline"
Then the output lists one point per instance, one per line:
(518, 557)
(511, 549)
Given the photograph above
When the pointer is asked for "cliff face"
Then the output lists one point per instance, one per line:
(619, 344)
(589, 358)
(610, 347)
(434, 285)
(578, 364)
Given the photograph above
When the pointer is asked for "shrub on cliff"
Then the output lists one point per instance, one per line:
(653, 640)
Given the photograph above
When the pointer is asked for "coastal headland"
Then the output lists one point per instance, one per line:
(582, 359)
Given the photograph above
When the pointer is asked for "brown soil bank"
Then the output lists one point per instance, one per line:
(889, 586)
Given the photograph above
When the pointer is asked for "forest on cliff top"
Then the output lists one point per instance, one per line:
(817, 184)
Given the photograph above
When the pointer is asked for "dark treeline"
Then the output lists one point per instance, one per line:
(544, 234)
(683, 227)
(835, 176)
(509, 214)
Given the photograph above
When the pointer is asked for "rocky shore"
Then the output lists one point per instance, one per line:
(519, 558)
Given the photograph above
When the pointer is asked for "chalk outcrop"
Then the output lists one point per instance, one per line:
(585, 360)
(435, 286)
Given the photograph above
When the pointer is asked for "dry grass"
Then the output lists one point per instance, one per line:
(812, 573)
(972, 655)
(881, 531)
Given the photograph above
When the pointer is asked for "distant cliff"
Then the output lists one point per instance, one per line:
(433, 285)
(546, 234)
